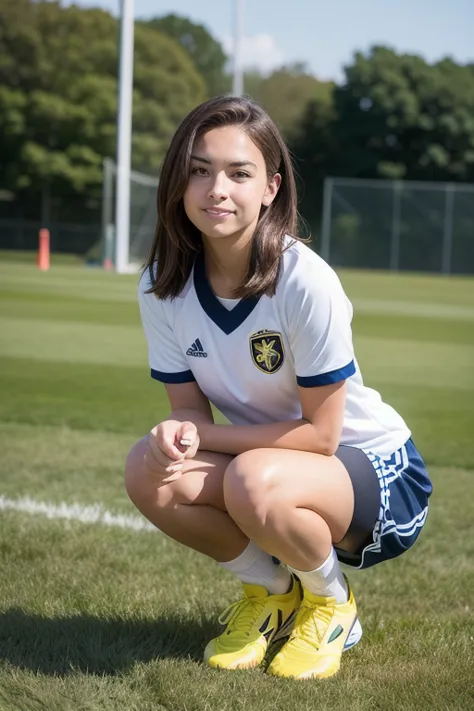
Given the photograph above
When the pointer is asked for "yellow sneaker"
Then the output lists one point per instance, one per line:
(323, 629)
(252, 623)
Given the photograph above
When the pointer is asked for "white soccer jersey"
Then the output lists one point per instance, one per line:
(250, 360)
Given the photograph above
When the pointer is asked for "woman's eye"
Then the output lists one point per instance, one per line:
(241, 174)
(198, 171)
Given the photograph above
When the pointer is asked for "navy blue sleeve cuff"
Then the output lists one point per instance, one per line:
(186, 376)
(335, 376)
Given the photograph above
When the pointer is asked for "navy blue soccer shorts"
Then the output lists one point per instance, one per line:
(390, 502)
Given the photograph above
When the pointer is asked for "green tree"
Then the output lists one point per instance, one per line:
(205, 51)
(394, 116)
(253, 80)
(286, 93)
(315, 150)
(58, 96)
(400, 117)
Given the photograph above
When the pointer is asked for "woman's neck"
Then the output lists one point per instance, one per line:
(226, 264)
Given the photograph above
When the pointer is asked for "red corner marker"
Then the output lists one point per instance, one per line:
(43, 250)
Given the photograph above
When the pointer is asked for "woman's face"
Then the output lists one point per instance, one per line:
(228, 184)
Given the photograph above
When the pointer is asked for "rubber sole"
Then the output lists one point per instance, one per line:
(354, 635)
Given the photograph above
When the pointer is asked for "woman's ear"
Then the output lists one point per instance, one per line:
(272, 190)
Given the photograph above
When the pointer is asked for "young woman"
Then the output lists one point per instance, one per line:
(314, 468)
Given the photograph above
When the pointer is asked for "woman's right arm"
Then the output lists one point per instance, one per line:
(175, 439)
(188, 402)
(168, 364)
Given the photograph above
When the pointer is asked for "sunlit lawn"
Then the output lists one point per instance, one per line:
(96, 617)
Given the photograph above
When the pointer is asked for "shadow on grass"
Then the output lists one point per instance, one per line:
(61, 646)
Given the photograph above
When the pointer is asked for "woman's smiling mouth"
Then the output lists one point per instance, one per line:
(217, 212)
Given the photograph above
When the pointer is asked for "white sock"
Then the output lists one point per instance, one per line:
(326, 581)
(256, 567)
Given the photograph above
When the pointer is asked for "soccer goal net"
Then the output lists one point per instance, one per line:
(142, 215)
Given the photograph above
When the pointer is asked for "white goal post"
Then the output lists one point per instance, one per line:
(142, 191)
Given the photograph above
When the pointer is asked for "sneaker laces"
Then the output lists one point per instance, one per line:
(311, 624)
(241, 615)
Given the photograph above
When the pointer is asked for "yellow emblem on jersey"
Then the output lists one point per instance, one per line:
(266, 348)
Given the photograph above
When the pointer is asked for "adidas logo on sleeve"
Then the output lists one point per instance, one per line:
(196, 350)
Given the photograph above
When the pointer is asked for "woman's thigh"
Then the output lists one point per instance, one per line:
(271, 480)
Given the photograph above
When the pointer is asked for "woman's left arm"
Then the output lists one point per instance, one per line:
(318, 430)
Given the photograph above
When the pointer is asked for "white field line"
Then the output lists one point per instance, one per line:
(76, 512)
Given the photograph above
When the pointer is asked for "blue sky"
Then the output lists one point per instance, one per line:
(325, 34)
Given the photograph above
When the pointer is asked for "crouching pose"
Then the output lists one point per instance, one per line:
(314, 468)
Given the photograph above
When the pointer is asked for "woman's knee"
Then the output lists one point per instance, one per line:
(199, 483)
(250, 486)
(135, 468)
(260, 489)
(144, 489)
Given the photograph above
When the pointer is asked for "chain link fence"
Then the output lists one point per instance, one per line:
(67, 238)
(398, 225)
(85, 225)
(375, 224)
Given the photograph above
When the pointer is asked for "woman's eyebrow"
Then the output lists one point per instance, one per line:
(202, 160)
(241, 163)
(233, 164)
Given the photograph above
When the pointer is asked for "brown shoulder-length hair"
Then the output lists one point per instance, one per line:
(177, 241)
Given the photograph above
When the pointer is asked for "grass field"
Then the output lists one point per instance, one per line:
(96, 616)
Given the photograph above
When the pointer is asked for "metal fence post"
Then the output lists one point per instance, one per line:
(448, 228)
(395, 240)
(326, 219)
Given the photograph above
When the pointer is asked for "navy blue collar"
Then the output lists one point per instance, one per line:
(227, 320)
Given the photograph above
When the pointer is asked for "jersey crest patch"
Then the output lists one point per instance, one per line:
(266, 348)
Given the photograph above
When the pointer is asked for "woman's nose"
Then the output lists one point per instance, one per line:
(219, 189)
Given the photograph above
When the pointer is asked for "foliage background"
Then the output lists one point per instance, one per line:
(393, 116)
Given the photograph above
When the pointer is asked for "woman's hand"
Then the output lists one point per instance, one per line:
(169, 444)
